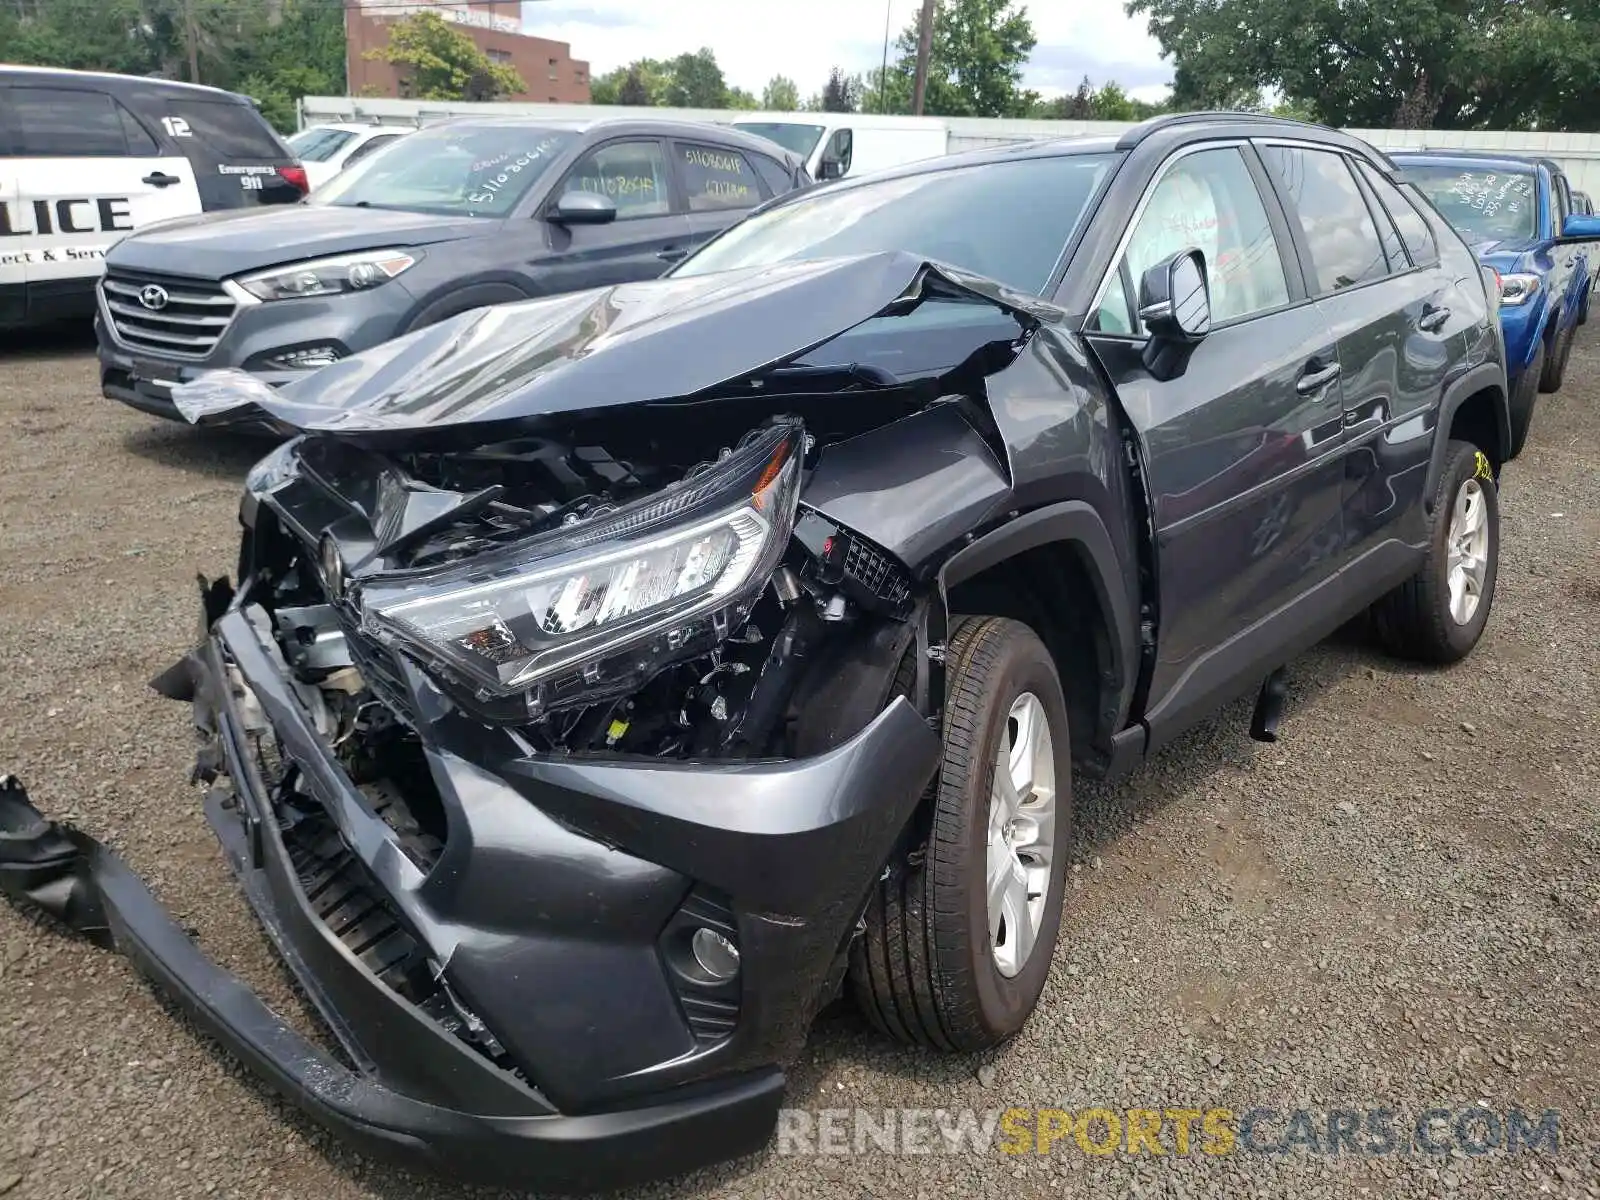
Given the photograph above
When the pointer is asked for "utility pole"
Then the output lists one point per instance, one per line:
(924, 49)
(194, 43)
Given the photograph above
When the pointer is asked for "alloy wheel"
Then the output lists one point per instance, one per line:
(1021, 839)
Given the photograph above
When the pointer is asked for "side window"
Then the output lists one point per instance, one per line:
(841, 149)
(368, 146)
(779, 178)
(53, 122)
(1333, 216)
(140, 143)
(224, 129)
(1207, 201)
(633, 174)
(1388, 235)
(1414, 231)
(1563, 201)
(714, 178)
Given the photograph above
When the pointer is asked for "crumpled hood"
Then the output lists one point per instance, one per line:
(222, 244)
(634, 343)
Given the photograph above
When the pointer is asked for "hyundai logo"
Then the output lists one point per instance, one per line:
(154, 297)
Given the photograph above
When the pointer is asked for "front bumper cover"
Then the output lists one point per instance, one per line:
(610, 1088)
(89, 888)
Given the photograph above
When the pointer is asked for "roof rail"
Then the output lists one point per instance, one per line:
(1144, 129)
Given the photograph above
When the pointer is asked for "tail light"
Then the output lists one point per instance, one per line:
(297, 176)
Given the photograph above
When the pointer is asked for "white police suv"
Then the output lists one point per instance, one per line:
(86, 158)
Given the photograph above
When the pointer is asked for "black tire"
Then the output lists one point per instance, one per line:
(1524, 394)
(1555, 363)
(1414, 620)
(923, 971)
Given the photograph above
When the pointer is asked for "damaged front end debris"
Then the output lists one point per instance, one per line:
(556, 736)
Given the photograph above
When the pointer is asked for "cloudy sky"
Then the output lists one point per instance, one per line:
(756, 39)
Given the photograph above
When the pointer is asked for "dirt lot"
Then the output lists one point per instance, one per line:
(1394, 908)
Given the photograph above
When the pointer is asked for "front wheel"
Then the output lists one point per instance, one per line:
(1438, 615)
(958, 941)
(1555, 363)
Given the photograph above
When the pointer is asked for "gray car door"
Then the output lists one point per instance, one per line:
(648, 236)
(1241, 449)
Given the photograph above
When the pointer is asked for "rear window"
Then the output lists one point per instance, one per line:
(1491, 203)
(802, 139)
(227, 129)
(318, 144)
(1010, 221)
(55, 122)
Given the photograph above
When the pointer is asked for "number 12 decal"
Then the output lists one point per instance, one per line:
(176, 127)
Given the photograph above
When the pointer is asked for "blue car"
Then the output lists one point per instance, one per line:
(1520, 217)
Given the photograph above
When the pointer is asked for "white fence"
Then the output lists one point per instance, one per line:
(1578, 153)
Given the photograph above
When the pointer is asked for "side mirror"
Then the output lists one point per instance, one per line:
(830, 168)
(1175, 307)
(583, 208)
(1580, 227)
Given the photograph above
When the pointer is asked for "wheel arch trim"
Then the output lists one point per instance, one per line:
(1077, 525)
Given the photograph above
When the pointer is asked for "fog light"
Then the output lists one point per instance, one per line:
(717, 956)
(306, 358)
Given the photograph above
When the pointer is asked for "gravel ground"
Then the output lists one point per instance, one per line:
(1394, 907)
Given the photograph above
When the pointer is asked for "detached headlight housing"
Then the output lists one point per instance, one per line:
(330, 276)
(1517, 289)
(582, 614)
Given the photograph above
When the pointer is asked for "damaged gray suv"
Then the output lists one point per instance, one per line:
(611, 680)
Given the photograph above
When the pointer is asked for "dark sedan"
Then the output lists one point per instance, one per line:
(451, 218)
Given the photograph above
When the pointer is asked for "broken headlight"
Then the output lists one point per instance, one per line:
(596, 609)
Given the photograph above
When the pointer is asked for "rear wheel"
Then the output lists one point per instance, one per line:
(958, 942)
(1439, 614)
(1555, 363)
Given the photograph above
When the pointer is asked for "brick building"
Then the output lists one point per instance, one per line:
(547, 67)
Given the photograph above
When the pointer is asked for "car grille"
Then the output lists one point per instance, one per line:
(194, 317)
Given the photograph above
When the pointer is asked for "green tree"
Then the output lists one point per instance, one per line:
(882, 93)
(634, 91)
(439, 62)
(275, 52)
(974, 65)
(739, 98)
(841, 94)
(781, 94)
(696, 82)
(1395, 63)
(1111, 103)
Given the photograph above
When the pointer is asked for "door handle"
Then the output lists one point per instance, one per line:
(672, 255)
(160, 180)
(1433, 318)
(1316, 377)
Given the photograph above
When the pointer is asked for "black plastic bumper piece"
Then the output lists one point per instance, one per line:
(88, 888)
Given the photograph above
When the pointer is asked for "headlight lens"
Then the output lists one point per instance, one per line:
(330, 276)
(1517, 289)
(571, 616)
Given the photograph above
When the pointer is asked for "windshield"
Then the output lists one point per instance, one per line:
(318, 144)
(1009, 221)
(454, 170)
(1494, 204)
(802, 139)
